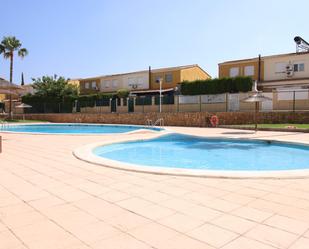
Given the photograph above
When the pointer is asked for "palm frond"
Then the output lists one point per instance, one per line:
(22, 52)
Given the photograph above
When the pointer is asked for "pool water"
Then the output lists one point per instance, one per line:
(72, 128)
(189, 152)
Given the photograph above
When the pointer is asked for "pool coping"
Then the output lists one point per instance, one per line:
(142, 128)
(85, 153)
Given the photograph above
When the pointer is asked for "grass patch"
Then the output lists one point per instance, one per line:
(276, 126)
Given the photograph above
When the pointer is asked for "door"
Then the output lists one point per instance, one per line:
(267, 105)
(114, 105)
(131, 105)
(233, 102)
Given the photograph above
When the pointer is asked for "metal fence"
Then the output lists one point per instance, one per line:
(230, 102)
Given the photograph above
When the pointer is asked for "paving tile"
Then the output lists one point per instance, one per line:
(202, 213)
(185, 242)
(301, 243)
(287, 224)
(234, 223)
(9, 241)
(245, 243)
(251, 214)
(154, 234)
(272, 236)
(154, 212)
(180, 222)
(213, 235)
(114, 196)
(122, 241)
(46, 202)
(134, 203)
(128, 221)
(94, 232)
(22, 219)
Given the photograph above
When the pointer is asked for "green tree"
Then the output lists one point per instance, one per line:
(54, 86)
(8, 46)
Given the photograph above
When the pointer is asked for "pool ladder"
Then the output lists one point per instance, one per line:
(3, 124)
(159, 122)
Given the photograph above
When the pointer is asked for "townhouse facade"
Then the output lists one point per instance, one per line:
(276, 72)
(142, 82)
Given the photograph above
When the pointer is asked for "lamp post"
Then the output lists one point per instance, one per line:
(160, 80)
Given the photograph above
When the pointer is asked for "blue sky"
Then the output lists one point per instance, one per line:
(78, 38)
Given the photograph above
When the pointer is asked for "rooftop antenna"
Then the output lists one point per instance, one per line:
(301, 45)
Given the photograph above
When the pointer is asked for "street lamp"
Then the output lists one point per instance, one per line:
(160, 80)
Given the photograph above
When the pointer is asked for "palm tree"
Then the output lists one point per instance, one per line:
(8, 46)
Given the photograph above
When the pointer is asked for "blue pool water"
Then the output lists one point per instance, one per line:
(188, 152)
(72, 128)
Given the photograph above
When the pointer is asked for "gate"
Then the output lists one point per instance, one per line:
(114, 105)
(131, 105)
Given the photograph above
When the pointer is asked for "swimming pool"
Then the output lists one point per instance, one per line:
(177, 151)
(72, 128)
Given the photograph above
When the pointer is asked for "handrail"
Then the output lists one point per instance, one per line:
(159, 121)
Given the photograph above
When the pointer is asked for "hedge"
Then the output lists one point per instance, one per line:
(217, 86)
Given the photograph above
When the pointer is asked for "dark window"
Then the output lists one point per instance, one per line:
(168, 78)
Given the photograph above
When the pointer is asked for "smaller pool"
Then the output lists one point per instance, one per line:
(200, 153)
(73, 128)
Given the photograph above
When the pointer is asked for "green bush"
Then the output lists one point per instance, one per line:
(217, 86)
(123, 93)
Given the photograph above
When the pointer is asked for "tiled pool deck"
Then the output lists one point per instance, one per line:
(49, 200)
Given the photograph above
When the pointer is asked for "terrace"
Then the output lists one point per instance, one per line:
(50, 199)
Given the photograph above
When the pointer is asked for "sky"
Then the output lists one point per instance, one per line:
(79, 38)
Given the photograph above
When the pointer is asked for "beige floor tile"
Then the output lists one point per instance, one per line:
(134, 203)
(245, 243)
(121, 241)
(302, 243)
(234, 223)
(22, 219)
(114, 196)
(287, 224)
(128, 221)
(213, 235)
(154, 212)
(154, 234)
(251, 214)
(272, 236)
(202, 213)
(46, 202)
(9, 241)
(185, 242)
(180, 222)
(94, 232)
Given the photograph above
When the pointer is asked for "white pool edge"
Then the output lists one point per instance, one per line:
(141, 128)
(85, 153)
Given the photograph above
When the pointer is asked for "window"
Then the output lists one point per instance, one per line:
(300, 67)
(280, 67)
(168, 78)
(249, 70)
(158, 78)
(93, 85)
(234, 71)
(114, 83)
(86, 85)
(106, 83)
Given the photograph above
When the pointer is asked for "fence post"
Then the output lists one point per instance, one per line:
(178, 103)
(293, 101)
(200, 101)
(226, 102)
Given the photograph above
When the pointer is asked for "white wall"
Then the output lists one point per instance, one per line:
(136, 81)
(271, 64)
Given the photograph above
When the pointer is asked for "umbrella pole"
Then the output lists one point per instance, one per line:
(255, 114)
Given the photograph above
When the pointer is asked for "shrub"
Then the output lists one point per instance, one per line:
(217, 86)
